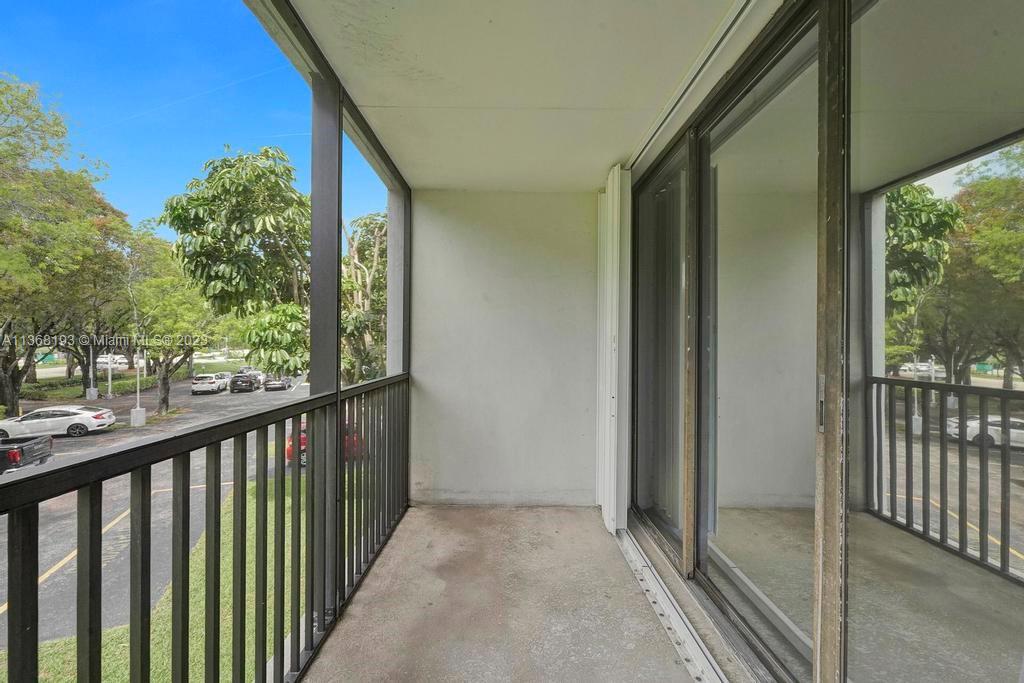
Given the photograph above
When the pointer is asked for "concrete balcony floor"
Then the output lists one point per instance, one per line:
(499, 593)
(916, 612)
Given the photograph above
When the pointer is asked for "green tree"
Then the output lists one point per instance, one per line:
(244, 239)
(363, 302)
(992, 196)
(917, 229)
(47, 217)
(175, 320)
(243, 232)
(956, 320)
(918, 226)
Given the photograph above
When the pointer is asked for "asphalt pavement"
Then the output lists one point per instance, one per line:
(58, 516)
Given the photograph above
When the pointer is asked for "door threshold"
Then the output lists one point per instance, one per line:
(698, 660)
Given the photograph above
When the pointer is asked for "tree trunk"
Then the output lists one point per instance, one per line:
(30, 376)
(9, 390)
(1008, 376)
(69, 366)
(163, 383)
(87, 370)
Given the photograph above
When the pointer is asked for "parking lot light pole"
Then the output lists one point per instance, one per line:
(91, 393)
(110, 376)
(138, 413)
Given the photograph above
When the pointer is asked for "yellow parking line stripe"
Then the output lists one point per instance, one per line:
(991, 538)
(110, 525)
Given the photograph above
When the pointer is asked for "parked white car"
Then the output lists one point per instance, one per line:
(923, 370)
(57, 421)
(207, 384)
(111, 360)
(995, 431)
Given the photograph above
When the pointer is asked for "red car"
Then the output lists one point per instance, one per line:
(351, 445)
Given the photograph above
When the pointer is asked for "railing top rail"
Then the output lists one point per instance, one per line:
(993, 392)
(117, 461)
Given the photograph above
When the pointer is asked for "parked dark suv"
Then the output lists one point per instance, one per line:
(243, 382)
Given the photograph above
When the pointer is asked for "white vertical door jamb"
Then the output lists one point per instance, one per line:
(614, 244)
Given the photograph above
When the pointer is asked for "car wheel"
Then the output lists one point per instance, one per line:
(988, 439)
(4, 435)
(77, 430)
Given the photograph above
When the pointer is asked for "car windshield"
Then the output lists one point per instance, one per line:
(88, 409)
(203, 378)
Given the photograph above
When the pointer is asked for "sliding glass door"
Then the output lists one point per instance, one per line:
(759, 397)
(660, 358)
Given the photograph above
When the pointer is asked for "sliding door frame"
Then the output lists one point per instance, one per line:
(831, 19)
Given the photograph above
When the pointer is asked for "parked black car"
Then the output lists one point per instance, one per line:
(277, 384)
(15, 453)
(243, 382)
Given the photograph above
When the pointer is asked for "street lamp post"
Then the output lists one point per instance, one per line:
(138, 413)
(91, 392)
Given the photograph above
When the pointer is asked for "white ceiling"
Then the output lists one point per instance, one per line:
(518, 95)
(955, 86)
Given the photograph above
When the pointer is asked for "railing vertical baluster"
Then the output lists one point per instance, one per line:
(310, 504)
(962, 471)
(926, 462)
(319, 518)
(90, 581)
(212, 600)
(375, 472)
(180, 546)
(139, 574)
(351, 456)
(378, 515)
(345, 496)
(393, 459)
(331, 452)
(279, 467)
(260, 644)
(983, 479)
(891, 418)
(908, 445)
(23, 593)
(1004, 486)
(405, 425)
(364, 484)
(296, 549)
(943, 467)
(240, 463)
(372, 490)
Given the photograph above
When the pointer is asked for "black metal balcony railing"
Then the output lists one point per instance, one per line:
(345, 502)
(964, 426)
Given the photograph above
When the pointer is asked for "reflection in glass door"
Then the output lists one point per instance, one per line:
(659, 350)
(761, 240)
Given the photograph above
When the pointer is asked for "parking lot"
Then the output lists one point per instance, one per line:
(57, 517)
(187, 412)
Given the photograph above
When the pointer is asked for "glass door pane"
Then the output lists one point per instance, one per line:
(660, 343)
(759, 495)
(935, 521)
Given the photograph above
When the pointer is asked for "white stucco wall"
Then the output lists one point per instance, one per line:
(504, 342)
(766, 349)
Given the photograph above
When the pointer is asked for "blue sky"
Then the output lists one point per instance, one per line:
(153, 88)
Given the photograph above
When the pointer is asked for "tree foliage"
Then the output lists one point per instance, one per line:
(363, 305)
(175, 320)
(243, 232)
(917, 228)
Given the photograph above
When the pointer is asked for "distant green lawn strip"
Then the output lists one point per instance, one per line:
(57, 657)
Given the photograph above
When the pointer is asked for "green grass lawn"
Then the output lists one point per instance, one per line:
(57, 658)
